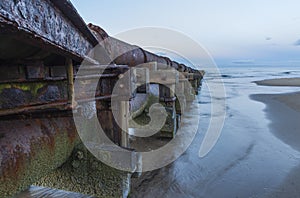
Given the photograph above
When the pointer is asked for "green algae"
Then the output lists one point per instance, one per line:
(85, 174)
(31, 87)
(43, 160)
(143, 119)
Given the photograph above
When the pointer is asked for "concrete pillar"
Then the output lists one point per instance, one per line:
(189, 90)
(180, 96)
(193, 78)
(123, 116)
(168, 80)
(142, 75)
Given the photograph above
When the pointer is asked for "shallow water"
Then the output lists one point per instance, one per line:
(247, 161)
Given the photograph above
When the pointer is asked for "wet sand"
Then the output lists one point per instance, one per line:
(284, 112)
(292, 100)
(292, 82)
(247, 162)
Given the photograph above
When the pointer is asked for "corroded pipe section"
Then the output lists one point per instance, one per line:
(32, 148)
(123, 53)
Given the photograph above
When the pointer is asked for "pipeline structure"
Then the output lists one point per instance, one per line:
(42, 45)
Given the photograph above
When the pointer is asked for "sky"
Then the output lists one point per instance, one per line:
(232, 31)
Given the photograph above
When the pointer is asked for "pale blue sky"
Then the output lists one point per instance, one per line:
(257, 30)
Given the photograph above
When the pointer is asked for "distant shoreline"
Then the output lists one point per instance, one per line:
(286, 82)
(283, 110)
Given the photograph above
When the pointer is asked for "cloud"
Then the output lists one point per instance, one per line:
(268, 38)
(161, 53)
(296, 18)
(241, 62)
(297, 43)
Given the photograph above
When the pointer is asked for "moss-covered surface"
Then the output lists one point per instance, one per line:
(48, 152)
(85, 174)
(31, 87)
(142, 117)
(170, 127)
(180, 104)
(140, 110)
(45, 154)
(14, 95)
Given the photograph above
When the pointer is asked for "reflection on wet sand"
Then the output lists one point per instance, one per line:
(40, 192)
(247, 162)
(289, 187)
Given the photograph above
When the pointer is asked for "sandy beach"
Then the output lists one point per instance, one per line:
(291, 82)
(292, 100)
(283, 110)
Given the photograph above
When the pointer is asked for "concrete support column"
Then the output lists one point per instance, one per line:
(122, 119)
(142, 75)
(168, 80)
(193, 82)
(180, 96)
(189, 90)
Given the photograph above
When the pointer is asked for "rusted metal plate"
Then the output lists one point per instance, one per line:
(151, 57)
(58, 71)
(106, 78)
(11, 72)
(35, 70)
(46, 20)
(123, 53)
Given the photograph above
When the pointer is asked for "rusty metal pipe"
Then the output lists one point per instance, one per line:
(32, 148)
(124, 53)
